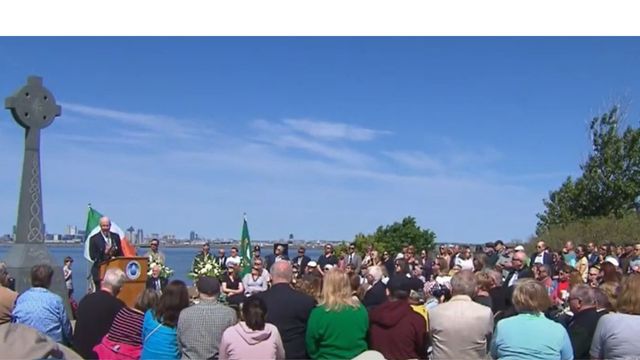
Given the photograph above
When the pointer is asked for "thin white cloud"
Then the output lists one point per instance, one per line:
(281, 136)
(160, 124)
(333, 130)
(416, 160)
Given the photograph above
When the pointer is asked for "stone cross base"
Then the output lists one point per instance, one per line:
(22, 257)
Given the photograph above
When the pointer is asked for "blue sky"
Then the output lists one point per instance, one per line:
(319, 137)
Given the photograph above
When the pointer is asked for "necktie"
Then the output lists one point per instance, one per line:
(350, 259)
(157, 284)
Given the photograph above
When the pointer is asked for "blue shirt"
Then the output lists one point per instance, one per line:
(44, 311)
(159, 341)
(529, 336)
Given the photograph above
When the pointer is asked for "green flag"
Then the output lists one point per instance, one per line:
(93, 223)
(245, 248)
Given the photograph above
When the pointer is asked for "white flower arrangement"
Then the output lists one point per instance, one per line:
(165, 271)
(205, 267)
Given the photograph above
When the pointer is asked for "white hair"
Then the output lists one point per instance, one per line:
(375, 272)
(114, 279)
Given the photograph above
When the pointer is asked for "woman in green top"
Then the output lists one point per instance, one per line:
(337, 327)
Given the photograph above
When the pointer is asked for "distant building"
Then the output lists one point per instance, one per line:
(193, 236)
(71, 230)
(140, 236)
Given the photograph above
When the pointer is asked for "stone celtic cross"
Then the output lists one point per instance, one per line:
(34, 108)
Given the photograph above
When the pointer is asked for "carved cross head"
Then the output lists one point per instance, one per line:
(33, 106)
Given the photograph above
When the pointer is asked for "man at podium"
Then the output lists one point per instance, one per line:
(103, 246)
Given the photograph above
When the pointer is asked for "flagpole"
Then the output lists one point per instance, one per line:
(89, 278)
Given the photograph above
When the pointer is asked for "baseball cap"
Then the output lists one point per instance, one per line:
(208, 285)
(519, 248)
(256, 248)
(612, 260)
(312, 264)
(328, 267)
(498, 242)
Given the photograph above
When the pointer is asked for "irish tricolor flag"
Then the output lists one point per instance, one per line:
(93, 227)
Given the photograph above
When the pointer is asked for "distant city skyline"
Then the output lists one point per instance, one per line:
(321, 137)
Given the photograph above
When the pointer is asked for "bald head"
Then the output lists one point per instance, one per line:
(281, 273)
(105, 224)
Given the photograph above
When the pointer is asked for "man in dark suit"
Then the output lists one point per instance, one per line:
(278, 255)
(353, 258)
(582, 326)
(103, 246)
(301, 260)
(542, 256)
(289, 310)
(518, 269)
(155, 281)
(377, 294)
(221, 259)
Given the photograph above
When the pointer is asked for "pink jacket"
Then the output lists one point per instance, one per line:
(240, 342)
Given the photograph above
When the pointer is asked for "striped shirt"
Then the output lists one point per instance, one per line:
(127, 327)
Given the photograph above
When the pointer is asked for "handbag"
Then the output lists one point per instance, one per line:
(108, 350)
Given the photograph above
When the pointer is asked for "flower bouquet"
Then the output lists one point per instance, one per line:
(165, 271)
(205, 267)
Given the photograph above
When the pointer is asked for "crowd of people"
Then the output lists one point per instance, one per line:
(494, 301)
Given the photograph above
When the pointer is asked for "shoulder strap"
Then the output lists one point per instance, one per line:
(151, 333)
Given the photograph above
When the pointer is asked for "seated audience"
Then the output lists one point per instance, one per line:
(395, 329)
(159, 334)
(254, 282)
(19, 341)
(288, 309)
(460, 328)
(529, 334)
(252, 338)
(232, 286)
(124, 339)
(337, 327)
(376, 294)
(155, 281)
(41, 309)
(616, 335)
(96, 313)
(200, 326)
(7, 296)
(581, 327)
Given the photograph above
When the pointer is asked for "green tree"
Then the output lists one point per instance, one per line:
(610, 180)
(393, 237)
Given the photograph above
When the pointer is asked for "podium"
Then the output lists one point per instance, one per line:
(135, 270)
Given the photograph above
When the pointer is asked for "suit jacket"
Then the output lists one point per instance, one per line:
(581, 329)
(97, 246)
(522, 273)
(222, 261)
(356, 261)
(303, 263)
(289, 311)
(151, 283)
(460, 329)
(271, 259)
(547, 259)
(375, 296)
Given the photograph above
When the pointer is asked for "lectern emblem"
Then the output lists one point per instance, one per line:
(133, 270)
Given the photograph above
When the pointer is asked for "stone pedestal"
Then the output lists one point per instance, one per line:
(22, 257)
